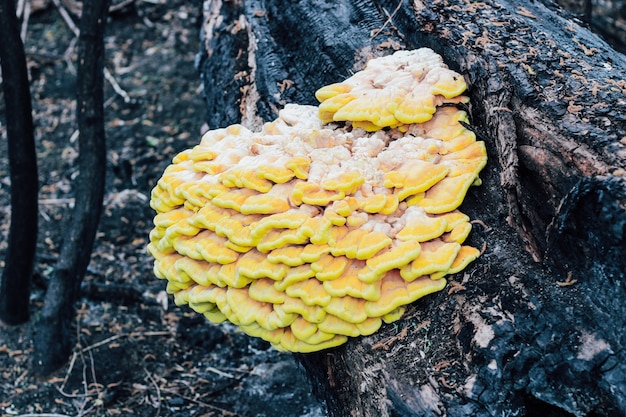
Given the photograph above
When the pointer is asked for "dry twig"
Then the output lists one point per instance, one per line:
(119, 90)
(26, 12)
(201, 403)
(158, 391)
(376, 32)
(43, 415)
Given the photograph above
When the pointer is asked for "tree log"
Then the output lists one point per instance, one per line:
(537, 325)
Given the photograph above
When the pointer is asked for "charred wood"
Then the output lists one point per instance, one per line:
(536, 325)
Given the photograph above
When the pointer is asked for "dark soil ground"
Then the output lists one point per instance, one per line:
(136, 353)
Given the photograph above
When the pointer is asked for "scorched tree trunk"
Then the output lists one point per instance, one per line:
(18, 266)
(53, 341)
(537, 326)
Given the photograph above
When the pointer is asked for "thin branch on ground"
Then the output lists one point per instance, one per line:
(19, 8)
(376, 32)
(116, 87)
(120, 5)
(67, 56)
(67, 374)
(158, 391)
(43, 415)
(26, 12)
(130, 335)
(200, 403)
(57, 201)
(66, 17)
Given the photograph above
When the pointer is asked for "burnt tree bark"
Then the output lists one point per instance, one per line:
(536, 326)
(53, 341)
(607, 17)
(18, 268)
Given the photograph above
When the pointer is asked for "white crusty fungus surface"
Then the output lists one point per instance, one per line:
(323, 225)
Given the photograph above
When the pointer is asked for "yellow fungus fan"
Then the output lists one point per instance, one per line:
(400, 89)
(307, 233)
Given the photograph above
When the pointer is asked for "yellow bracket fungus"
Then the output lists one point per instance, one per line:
(329, 220)
(401, 89)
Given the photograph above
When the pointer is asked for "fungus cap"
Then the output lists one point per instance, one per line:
(400, 89)
(306, 233)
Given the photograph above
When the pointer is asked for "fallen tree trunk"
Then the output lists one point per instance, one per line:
(537, 324)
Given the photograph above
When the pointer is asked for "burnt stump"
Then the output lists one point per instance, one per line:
(537, 325)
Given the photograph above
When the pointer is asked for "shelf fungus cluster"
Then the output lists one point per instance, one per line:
(331, 219)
